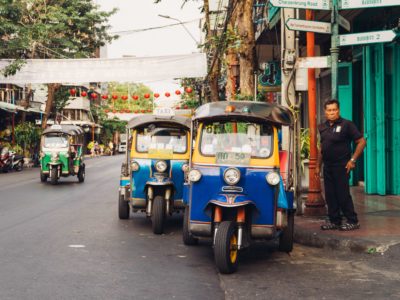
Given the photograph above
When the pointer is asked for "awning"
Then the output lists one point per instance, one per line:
(8, 107)
(127, 69)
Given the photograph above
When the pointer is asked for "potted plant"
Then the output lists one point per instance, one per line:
(27, 136)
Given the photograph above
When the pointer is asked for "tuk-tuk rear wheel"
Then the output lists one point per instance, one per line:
(187, 237)
(43, 177)
(81, 173)
(123, 208)
(158, 215)
(54, 175)
(286, 237)
(225, 248)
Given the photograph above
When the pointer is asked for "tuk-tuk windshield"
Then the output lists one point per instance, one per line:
(55, 141)
(150, 139)
(249, 139)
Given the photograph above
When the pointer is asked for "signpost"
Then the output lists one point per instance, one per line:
(304, 25)
(366, 37)
(304, 4)
(317, 62)
(359, 4)
(344, 23)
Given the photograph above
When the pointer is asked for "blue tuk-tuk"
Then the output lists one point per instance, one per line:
(237, 189)
(153, 173)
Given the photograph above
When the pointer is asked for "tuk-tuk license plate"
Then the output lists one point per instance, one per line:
(232, 158)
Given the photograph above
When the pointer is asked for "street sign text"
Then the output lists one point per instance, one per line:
(366, 37)
(305, 4)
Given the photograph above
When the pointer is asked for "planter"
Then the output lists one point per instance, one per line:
(305, 177)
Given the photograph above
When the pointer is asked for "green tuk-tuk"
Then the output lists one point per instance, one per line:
(61, 153)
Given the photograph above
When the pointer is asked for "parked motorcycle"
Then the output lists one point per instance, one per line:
(9, 160)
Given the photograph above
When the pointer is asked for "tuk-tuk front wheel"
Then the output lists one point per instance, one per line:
(187, 237)
(226, 248)
(54, 175)
(286, 237)
(43, 177)
(123, 208)
(158, 215)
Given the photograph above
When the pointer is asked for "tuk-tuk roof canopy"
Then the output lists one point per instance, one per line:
(65, 129)
(249, 110)
(144, 120)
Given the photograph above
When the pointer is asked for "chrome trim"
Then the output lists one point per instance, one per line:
(232, 189)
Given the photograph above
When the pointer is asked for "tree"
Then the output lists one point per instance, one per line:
(51, 29)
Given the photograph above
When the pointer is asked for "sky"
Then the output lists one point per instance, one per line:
(134, 15)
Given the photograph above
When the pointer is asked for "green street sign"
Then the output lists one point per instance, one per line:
(304, 4)
(358, 4)
(366, 37)
(304, 25)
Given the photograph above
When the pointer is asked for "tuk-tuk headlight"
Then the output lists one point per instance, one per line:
(185, 167)
(54, 156)
(134, 166)
(161, 166)
(273, 178)
(232, 176)
(194, 175)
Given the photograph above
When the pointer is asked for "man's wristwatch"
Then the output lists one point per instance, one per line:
(353, 160)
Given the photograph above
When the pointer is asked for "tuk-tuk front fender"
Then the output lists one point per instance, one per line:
(159, 181)
(231, 200)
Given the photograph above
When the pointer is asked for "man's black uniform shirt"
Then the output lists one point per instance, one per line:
(336, 141)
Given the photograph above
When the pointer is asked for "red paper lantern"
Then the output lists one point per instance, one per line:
(105, 97)
(124, 97)
(156, 95)
(72, 92)
(83, 94)
(189, 90)
(185, 106)
(149, 110)
(177, 107)
(147, 96)
(114, 111)
(135, 97)
(93, 95)
(178, 92)
(122, 111)
(127, 111)
(143, 111)
(106, 110)
(115, 97)
(167, 94)
(136, 111)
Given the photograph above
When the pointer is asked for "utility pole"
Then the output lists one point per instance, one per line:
(288, 58)
(314, 205)
(334, 48)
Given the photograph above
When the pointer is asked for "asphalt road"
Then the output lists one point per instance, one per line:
(66, 242)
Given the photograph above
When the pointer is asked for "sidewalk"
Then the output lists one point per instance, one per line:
(379, 217)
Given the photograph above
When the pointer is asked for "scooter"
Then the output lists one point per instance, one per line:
(17, 161)
(9, 160)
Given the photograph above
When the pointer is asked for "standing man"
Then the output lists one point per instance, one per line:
(336, 136)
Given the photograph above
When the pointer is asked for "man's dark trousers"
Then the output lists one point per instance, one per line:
(337, 194)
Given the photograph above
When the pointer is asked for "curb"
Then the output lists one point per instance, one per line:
(313, 238)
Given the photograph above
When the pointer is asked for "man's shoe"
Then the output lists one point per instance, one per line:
(349, 226)
(329, 226)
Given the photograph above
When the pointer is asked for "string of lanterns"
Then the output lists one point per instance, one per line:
(95, 95)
